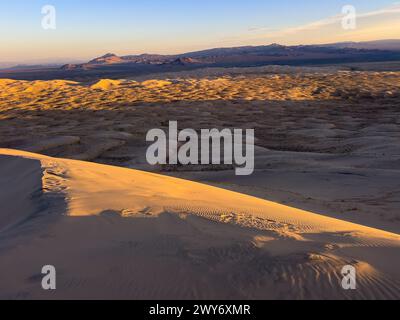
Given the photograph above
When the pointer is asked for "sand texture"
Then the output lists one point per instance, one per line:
(77, 192)
(121, 233)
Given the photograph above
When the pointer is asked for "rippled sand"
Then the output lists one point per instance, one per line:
(120, 233)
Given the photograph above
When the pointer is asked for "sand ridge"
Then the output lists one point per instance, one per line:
(172, 194)
(278, 87)
(226, 228)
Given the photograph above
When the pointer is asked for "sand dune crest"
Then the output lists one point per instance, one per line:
(201, 232)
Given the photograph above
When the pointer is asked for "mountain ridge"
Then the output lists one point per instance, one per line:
(251, 54)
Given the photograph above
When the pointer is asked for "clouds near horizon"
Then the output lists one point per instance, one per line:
(374, 25)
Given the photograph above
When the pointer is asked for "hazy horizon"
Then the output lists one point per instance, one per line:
(124, 28)
(66, 60)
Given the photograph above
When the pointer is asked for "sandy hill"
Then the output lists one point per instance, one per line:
(120, 233)
(106, 84)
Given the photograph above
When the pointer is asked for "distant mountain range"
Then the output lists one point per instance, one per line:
(150, 59)
(383, 50)
(111, 66)
(391, 45)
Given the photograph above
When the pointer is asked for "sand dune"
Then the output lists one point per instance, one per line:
(106, 84)
(339, 130)
(296, 84)
(326, 141)
(120, 233)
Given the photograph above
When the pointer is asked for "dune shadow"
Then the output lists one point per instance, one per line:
(25, 201)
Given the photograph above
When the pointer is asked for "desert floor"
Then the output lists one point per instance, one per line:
(327, 142)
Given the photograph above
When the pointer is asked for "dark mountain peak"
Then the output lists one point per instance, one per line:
(276, 45)
(72, 67)
(183, 61)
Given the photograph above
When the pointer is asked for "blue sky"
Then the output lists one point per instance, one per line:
(88, 28)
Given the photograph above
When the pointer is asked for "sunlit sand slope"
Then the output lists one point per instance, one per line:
(297, 85)
(120, 233)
